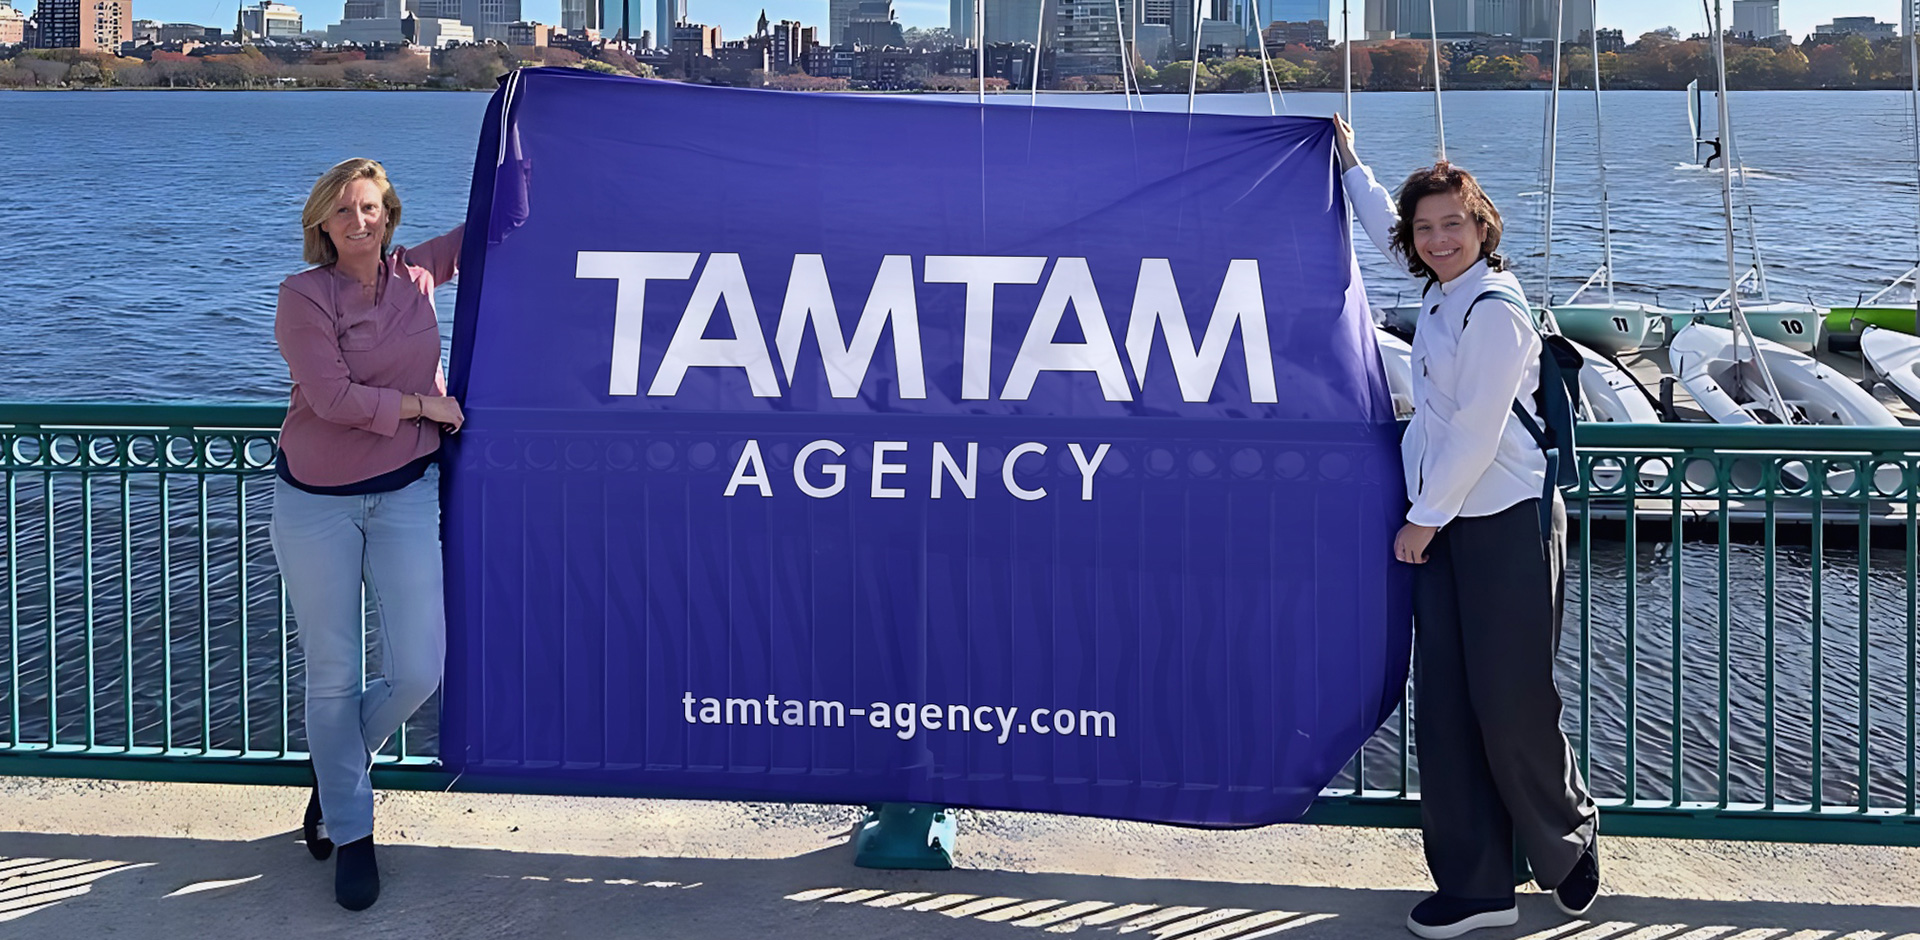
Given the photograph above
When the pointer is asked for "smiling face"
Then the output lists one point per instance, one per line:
(357, 223)
(1446, 223)
(1446, 235)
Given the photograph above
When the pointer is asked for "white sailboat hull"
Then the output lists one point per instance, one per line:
(1396, 356)
(1895, 358)
(1732, 392)
(1609, 393)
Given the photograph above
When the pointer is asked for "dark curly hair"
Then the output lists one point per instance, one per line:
(1444, 177)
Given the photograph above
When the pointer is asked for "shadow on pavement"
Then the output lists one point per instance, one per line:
(471, 893)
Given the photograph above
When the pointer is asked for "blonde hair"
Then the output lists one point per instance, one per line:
(319, 248)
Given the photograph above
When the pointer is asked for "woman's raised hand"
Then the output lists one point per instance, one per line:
(1343, 143)
(444, 411)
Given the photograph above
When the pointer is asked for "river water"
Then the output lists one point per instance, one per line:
(142, 235)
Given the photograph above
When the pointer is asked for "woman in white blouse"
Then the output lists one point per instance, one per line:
(1497, 775)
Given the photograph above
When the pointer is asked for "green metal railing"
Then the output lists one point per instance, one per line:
(1739, 657)
(144, 615)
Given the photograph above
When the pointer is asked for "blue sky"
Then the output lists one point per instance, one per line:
(735, 17)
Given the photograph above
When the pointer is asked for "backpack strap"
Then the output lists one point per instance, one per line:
(1550, 448)
(1497, 293)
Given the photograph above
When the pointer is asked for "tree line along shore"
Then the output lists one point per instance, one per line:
(1655, 61)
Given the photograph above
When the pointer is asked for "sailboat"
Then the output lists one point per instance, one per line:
(1792, 324)
(1609, 324)
(1873, 314)
(1726, 382)
(1797, 326)
(1738, 377)
(1895, 359)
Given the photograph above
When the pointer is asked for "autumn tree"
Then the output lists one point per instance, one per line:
(1829, 67)
(1398, 66)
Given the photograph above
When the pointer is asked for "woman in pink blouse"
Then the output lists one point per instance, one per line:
(358, 499)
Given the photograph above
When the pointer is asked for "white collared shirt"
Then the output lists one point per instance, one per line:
(1465, 452)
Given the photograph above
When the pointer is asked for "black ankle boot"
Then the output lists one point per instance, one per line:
(356, 877)
(314, 831)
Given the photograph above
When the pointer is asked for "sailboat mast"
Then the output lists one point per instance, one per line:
(1193, 76)
(1726, 171)
(1266, 66)
(1600, 150)
(1346, 47)
(1913, 74)
(980, 50)
(1552, 156)
(1439, 117)
(1739, 317)
(1753, 227)
(1039, 42)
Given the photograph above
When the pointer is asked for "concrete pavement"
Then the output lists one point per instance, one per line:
(105, 859)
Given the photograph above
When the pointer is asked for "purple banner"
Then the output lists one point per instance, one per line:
(859, 449)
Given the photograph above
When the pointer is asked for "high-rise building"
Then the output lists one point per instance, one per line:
(872, 24)
(1759, 19)
(1017, 21)
(487, 18)
(1084, 38)
(960, 18)
(617, 19)
(1576, 22)
(377, 9)
(270, 20)
(1526, 19)
(576, 15)
(1509, 17)
(89, 25)
(667, 15)
(1381, 19)
(1418, 18)
(839, 12)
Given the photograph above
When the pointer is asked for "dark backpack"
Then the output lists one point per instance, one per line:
(1558, 400)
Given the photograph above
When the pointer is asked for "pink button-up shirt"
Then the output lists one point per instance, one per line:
(352, 359)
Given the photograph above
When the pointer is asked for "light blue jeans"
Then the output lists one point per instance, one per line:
(326, 546)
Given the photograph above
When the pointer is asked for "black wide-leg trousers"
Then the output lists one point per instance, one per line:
(1496, 773)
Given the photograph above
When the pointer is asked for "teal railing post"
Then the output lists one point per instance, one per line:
(905, 835)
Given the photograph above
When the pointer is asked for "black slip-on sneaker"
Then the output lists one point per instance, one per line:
(356, 876)
(1575, 893)
(1440, 917)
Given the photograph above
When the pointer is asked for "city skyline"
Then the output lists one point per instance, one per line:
(736, 18)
